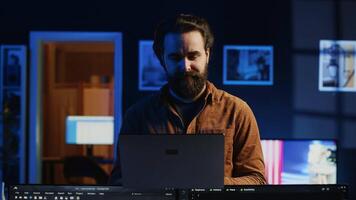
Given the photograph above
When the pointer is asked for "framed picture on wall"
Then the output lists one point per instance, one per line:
(247, 65)
(337, 65)
(13, 105)
(151, 74)
(13, 57)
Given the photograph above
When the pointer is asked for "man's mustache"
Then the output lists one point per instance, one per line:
(182, 75)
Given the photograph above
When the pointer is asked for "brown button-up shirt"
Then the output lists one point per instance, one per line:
(221, 113)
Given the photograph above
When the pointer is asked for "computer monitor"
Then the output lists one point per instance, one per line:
(300, 161)
(90, 130)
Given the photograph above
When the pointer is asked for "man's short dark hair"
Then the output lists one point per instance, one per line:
(181, 23)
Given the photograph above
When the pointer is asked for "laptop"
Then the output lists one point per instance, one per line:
(172, 161)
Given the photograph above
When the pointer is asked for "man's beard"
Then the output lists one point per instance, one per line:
(188, 84)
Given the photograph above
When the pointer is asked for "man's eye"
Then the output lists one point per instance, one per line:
(193, 57)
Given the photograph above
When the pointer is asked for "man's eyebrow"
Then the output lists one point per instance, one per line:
(190, 53)
(194, 53)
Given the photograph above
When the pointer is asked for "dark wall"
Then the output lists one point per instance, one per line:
(233, 23)
(284, 110)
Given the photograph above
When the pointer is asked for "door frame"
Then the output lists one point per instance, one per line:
(37, 38)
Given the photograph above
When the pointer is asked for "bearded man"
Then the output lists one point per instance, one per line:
(190, 104)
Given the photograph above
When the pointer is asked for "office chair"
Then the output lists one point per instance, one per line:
(81, 166)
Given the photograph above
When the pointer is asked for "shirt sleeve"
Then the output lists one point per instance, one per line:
(248, 161)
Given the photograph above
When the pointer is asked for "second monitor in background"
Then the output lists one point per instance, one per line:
(300, 161)
(90, 130)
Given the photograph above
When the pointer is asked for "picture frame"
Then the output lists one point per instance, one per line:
(337, 65)
(151, 74)
(13, 58)
(247, 65)
(13, 65)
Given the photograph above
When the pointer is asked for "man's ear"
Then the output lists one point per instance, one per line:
(207, 53)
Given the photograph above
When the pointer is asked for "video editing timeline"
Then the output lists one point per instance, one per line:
(266, 192)
(273, 192)
(60, 192)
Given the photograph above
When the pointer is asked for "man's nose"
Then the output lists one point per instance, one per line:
(186, 65)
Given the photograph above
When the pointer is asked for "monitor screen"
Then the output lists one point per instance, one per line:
(300, 161)
(90, 130)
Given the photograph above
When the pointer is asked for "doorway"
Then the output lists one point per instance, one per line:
(72, 73)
